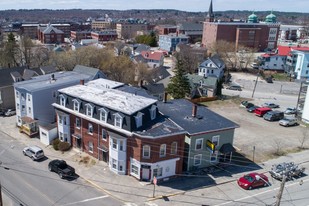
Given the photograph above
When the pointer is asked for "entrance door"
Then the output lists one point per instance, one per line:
(145, 174)
(78, 143)
(105, 156)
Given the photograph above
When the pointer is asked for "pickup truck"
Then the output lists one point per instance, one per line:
(61, 168)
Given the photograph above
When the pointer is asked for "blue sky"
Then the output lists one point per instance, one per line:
(184, 5)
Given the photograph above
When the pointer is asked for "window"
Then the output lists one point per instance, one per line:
(157, 172)
(307, 71)
(17, 94)
(29, 110)
(17, 106)
(153, 112)
(114, 142)
(197, 160)
(22, 108)
(162, 150)
(89, 110)
(103, 115)
(199, 144)
(213, 156)
(60, 119)
(104, 134)
(90, 147)
(77, 123)
(118, 120)
(139, 119)
(61, 136)
(90, 128)
(28, 97)
(76, 105)
(146, 151)
(23, 96)
(134, 169)
(114, 164)
(64, 120)
(174, 148)
(62, 100)
(121, 145)
(215, 140)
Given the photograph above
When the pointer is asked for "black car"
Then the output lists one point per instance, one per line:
(61, 168)
(251, 109)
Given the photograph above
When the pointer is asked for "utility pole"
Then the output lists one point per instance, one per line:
(279, 196)
(1, 203)
(257, 76)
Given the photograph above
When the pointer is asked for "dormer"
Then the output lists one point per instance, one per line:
(139, 119)
(153, 112)
(62, 100)
(118, 120)
(76, 104)
(89, 109)
(103, 114)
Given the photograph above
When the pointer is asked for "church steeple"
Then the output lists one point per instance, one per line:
(210, 16)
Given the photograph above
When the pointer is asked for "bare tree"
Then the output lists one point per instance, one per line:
(226, 51)
(278, 147)
(245, 56)
(304, 137)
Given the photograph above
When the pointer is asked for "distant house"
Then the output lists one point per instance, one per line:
(298, 60)
(93, 72)
(209, 136)
(213, 67)
(169, 42)
(193, 30)
(7, 78)
(50, 35)
(105, 35)
(152, 58)
(139, 48)
(202, 86)
(272, 61)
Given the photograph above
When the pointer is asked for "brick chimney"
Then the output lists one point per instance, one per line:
(194, 110)
(81, 82)
(165, 97)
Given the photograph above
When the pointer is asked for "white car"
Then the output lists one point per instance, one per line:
(290, 111)
(34, 152)
(286, 122)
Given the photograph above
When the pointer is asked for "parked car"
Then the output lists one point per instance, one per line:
(253, 180)
(261, 111)
(270, 105)
(290, 169)
(251, 109)
(273, 115)
(254, 65)
(61, 168)
(10, 112)
(286, 122)
(246, 104)
(34, 152)
(234, 87)
(290, 111)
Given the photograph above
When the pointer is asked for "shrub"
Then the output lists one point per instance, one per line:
(64, 146)
(56, 144)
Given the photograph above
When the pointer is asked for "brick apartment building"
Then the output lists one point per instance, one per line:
(260, 35)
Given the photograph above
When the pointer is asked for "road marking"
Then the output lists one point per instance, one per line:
(240, 199)
(87, 200)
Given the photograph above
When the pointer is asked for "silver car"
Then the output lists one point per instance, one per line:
(34, 152)
(286, 122)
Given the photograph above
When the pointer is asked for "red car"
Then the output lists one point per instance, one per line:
(253, 180)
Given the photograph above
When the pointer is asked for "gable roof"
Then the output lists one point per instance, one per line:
(142, 47)
(87, 70)
(285, 50)
(49, 29)
(206, 81)
(5, 75)
(216, 60)
(48, 69)
(206, 121)
(152, 55)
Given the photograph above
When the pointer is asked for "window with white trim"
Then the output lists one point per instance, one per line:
(215, 140)
(114, 143)
(17, 94)
(104, 134)
(214, 156)
(174, 148)
(114, 163)
(118, 121)
(76, 105)
(199, 144)
(157, 172)
(28, 97)
(134, 169)
(77, 123)
(139, 119)
(29, 110)
(60, 119)
(90, 128)
(62, 100)
(61, 136)
(153, 112)
(90, 147)
(162, 150)
(17, 106)
(121, 145)
(103, 115)
(89, 110)
(146, 151)
(197, 160)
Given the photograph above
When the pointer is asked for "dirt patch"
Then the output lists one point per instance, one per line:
(84, 160)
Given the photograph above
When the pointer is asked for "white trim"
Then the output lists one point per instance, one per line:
(146, 157)
(201, 143)
(195, 158)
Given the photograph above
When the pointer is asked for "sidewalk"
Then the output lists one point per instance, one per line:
(128, 189)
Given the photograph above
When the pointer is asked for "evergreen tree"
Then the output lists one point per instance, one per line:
(179, 86)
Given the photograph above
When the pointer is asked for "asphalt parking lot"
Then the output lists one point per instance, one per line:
(256, 136)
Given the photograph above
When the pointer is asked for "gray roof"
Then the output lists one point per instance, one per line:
(155, 89)
(180, 112)
(48, 69)
(49, 29)
(188, 26)
(142, 47)
(214, 59)
(45, 81)
(136, 91)
(195, 79)
(5, 75)
(87, 70)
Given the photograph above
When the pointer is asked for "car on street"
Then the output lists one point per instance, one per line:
(288, 121)
(290, 110)
(34, 152)
(253, 180)
(251, 109)
(10, 112)
(234, 87)
(61, 168)
(270, 105)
